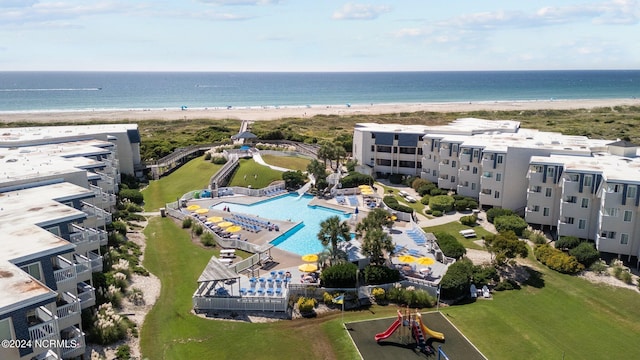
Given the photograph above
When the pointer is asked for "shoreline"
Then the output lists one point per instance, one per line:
(266, 113)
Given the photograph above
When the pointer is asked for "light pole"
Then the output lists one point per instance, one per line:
(438, 301)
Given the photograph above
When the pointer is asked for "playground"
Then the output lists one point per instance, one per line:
(411, 335)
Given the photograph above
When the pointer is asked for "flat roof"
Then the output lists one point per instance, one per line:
(18, 289)
(25, 135)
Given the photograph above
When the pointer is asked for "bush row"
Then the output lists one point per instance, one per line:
(557, 260)
(450, 246)
(393, 203)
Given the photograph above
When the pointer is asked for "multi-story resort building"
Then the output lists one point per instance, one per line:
(57, 188)
(573, 185)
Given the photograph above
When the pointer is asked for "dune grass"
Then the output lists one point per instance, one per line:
(193, 175)
(250, 173)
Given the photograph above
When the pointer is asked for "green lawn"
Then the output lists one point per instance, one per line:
(191, 176)
(417, 206)
(454, 227)
(288, 162)
(251, 173)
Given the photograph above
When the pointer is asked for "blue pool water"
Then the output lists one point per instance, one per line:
(302, 239)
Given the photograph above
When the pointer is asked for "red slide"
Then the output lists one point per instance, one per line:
(389, 331)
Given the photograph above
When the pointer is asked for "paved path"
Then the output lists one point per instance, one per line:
(258, 158)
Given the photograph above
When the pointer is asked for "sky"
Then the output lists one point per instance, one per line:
(318, 35)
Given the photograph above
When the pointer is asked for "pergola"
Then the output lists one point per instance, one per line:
(216, 276)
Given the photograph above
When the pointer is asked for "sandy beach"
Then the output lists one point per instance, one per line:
(274, 113)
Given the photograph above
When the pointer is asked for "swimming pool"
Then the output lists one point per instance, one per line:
(302, 239)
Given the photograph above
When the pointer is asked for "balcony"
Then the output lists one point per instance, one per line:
(73, 344)
(86, 239)
(68, 311)
(86, 294)
(64, 273)
(97, 215)
(83, 267)
(96, 262)
(43, 327)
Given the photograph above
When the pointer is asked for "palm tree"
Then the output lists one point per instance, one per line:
(374, 243)
(377, 218)
(332, 230)
(317, 169)
(325, 152)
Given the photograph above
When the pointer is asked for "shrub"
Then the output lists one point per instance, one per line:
(567, 242)
(455, 283)
(123, 352)
(585, 253)
(599, 267)
(342, 275)
(218, 160)
(425, 200)
(468, 220)
(207, 239)
(374, 275)
(535, 236)
(426, 189)
(485, 275)
(207, 156)
(409, 296)
(108, 327)
(450, 246)
(513, 223)
(436, 192)
(557, 260)
(442, 203)
(496, 212)
(393, 203)
(119, 227)
(436, 213)
(133, 195)
(428, 211)
(187, 222)
(306, 305)
(626, 277)
(378, 294)
(508, 284)
(197, 229)
(356, 179)
(327, 298)
(465, 203)
(417, 182)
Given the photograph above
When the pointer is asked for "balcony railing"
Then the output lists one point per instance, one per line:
(86, 294)
(96, 262)
(83, 265)
(66, 273)
(47, 328)
(74, 344)
(69, 314)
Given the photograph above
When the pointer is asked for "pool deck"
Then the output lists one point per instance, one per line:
(287, 261)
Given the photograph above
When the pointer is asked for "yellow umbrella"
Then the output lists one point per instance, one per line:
(308, 267)
(202, 211)
(215, 219)
(367, 192)
(406, 258)
(193, 207)
(225, 224)
(393, 218)
(364, 187)
(310, 258)
(234, 228)
(426, 261)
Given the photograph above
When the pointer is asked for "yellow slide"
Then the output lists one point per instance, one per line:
(427, 331)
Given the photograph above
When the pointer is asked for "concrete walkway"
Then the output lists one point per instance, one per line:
(258, 158)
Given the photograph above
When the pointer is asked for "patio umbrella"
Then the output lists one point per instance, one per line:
(364, 187)
(308, 267)
(406, 258)
(193, 207)
(202, 211)
(225, 224)
(310, 258)
(234, 228)
(366, 191)
(215, 219)
(425, 261)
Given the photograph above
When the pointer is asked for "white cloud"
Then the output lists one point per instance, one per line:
(241, 2)
(409, 32)
(352, 11)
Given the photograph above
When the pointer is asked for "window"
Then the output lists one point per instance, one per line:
(383, 162)
(611, 212)
(486, 191)
(407, 164)
(624, 239)
(496, 195)
(473, 186)
(466, 168)
(550, 172)
(476, 153)
(536, 189)
(613, 188)
(545, 211)
(34, 270)
(465, 184)
(453, 179)
(582, 224)
(419, 151)
(568, 220)
(445, 162)
(535, 208)
(498, 177)
(536, 168)
(466, 151)
(6, 333)
(54, 229)
(574, 177)
(395, 137)
(395, 149)
(373, 148)
(384, 149)
(608, 234)
(454, 148)
(487, 174)
(628, 215)
(547, 192)
(454, 163)
(587, 181)
(407, 150)
(475, 170)
(571, 199)
(373, 135)
(585, 203)
(631, 191)
(500, 159)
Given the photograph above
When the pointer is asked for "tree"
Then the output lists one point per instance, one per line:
(325, 152)
(585, 253)
(442, 203)
(496, 212)
(505, 246)
(510, 223)
(332, 230)
(293, 179)
(317, 169)
(375, 240)
(567, 242)
(374, 243)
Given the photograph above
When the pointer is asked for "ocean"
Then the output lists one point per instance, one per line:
(75, 91)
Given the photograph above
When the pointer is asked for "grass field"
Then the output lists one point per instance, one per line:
(288, 162)
(454, 227)
(250, 173)
(191, 176)
(557, 315)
